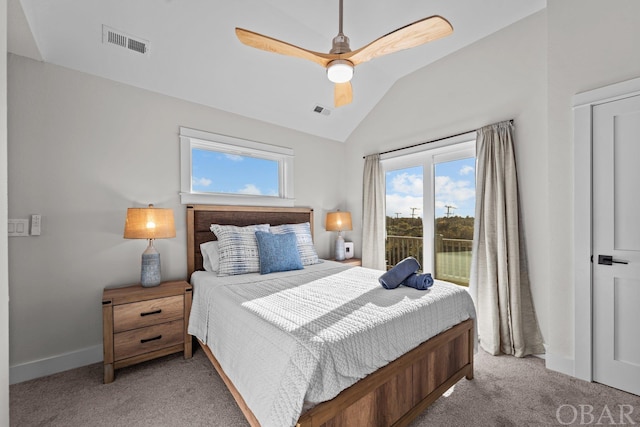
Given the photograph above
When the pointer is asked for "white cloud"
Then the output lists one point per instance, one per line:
(456, 191)
(401, 205)
(407, 184)
(466, 170)
(234, 157)
(457, 194)
(203, 182)
(250, 189)
(405, 192)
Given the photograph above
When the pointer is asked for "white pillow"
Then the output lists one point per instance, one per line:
(238, 248)
(307, 250)
(210, 256)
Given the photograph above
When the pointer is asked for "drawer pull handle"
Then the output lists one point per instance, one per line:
(151, 312)
(151, 339)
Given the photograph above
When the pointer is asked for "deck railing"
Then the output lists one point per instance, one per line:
(400, 247)
(453, 256)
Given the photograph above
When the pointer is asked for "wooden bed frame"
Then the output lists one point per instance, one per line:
(395, 394)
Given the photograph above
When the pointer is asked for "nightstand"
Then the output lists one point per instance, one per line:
(140, 324)
(356, 262)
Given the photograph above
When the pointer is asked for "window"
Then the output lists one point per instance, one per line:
(430, 204)
(226, 170)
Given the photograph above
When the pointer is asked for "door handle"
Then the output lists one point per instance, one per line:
(608, 260)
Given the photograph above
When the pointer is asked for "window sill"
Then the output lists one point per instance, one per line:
(232, 199)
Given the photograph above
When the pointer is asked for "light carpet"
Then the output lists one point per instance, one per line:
(171, 391)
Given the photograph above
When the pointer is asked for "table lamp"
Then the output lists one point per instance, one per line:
(149, 223)
(339, 221)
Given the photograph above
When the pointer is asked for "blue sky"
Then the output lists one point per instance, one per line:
(454, 184)
(216, 172)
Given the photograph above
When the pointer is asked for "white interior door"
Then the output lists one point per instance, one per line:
(616, 244)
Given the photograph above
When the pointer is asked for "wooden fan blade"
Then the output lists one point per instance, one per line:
(412, 35)
(342, 94)
(276, 46)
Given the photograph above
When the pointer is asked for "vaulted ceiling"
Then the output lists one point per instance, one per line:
(193, 53)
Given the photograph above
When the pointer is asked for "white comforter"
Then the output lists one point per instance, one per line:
(305, 335)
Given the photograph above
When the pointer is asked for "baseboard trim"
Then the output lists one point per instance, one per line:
(53, 365)
(87, 356)
(560, 364)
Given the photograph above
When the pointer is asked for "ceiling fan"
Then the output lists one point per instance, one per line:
(341, 60)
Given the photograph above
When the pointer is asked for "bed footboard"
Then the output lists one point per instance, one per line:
(397, 393)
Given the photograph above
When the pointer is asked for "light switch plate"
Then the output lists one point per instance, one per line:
(18, 228)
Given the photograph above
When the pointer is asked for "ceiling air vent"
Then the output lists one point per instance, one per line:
(321, 110)
(122, 39)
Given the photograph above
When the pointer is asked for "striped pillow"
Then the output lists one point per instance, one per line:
(238, 248)
(307, 251)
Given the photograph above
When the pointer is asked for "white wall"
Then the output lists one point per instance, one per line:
(500, 77)
(82, 150)
(592, 43)
(4, 276)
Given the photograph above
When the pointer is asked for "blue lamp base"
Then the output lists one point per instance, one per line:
(150, 272)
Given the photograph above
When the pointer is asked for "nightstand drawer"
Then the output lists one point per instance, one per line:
(144, 340)
(146, 313)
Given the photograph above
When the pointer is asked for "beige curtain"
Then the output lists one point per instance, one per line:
(373, 214)
(499, 283)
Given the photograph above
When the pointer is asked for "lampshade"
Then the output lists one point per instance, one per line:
(149, 223)
(338, 221)
(340, 71)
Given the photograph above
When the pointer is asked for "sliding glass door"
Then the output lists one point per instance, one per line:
(404, 207)
(430, 203)
(455, 185)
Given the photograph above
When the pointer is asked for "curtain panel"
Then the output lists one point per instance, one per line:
(373, 214)
(499, 282)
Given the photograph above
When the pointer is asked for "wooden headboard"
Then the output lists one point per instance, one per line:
(200, 218)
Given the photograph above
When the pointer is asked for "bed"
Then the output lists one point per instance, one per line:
(391, 394)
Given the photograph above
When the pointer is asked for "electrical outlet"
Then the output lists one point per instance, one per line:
(36, 221)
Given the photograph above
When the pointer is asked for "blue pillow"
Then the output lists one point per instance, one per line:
(278, 252)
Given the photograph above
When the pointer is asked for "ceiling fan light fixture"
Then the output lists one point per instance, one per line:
(341, 60)
(340, 71)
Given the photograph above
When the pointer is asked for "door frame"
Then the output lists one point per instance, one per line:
(583, 104)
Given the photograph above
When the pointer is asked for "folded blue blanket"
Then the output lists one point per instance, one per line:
(399, 272)
(419, 281)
